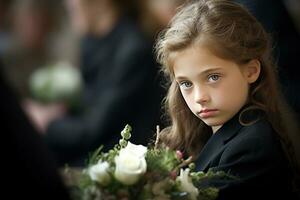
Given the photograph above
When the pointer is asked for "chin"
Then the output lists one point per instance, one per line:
(213, 122)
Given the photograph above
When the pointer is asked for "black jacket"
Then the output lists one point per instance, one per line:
(253, 155)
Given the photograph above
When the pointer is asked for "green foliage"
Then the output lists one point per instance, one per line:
(200, 176)
(208, 193)
(95, 156)
(162, 160)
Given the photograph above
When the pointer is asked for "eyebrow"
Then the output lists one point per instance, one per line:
(204, 72)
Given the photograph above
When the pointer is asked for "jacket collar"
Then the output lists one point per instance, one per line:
(228, 131)
(215, 143)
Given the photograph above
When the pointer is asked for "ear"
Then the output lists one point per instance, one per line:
(251, 70)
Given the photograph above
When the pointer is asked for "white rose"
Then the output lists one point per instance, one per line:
(56, 82)
(99, 173)
(186, 184)
(130, 164)
(66, 80)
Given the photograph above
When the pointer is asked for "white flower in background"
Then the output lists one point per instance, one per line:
(65, 79)
(56, 82)
(186, 184)
(99, 173)
(130, 164)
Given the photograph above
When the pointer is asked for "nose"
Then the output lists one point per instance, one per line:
(201, 96)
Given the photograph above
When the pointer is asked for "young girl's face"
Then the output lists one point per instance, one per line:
(213, 88)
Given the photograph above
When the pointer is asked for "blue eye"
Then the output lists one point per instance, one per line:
(213, 78)
(185, 85)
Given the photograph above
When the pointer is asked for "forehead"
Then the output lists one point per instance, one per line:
(196, 59)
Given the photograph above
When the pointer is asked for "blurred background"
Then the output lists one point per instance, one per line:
(82, 69)
(36, 33)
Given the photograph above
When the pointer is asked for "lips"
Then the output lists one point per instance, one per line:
(205, 113)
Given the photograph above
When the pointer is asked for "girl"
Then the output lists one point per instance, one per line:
(224, 104)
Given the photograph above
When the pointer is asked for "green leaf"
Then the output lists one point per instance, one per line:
(94, 157)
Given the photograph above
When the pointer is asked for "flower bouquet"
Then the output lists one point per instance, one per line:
(59, 82)
(130, 171)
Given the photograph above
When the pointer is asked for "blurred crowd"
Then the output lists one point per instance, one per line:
(110, 42)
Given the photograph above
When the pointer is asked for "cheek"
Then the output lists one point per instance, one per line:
(233, 94)
(188, 100)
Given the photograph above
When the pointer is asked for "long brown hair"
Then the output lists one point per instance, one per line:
(232, 33)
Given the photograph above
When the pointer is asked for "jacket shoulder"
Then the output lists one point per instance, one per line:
(258, 141)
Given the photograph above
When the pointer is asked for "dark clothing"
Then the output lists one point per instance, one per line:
(253, 155)
(29, 169)
(119, 74)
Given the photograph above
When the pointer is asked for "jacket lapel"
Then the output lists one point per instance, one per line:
(216, 143)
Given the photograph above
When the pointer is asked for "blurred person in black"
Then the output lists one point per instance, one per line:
(278, 22)
(34, 25)
(5, 35)
(29, 167)
(154, 15)
(120, 86)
